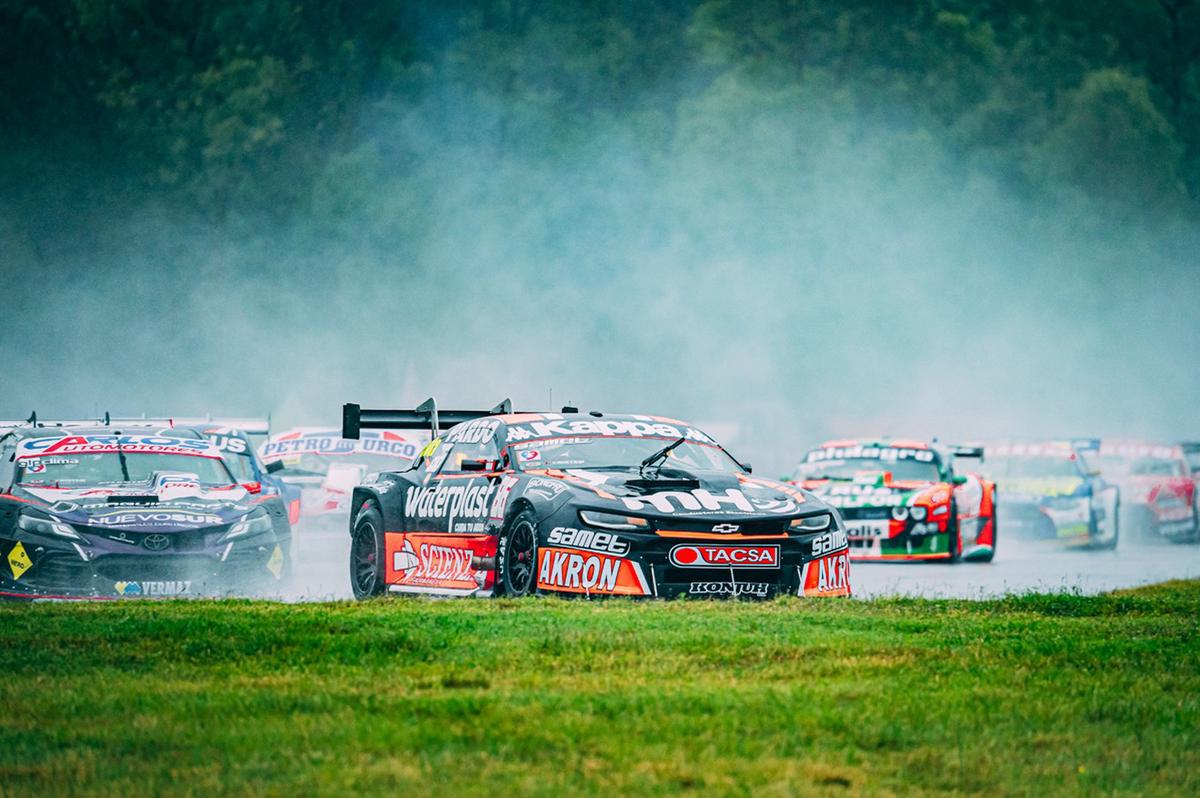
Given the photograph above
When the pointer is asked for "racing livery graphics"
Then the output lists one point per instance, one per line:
(92, 512)
(1050, 492)
(509, 504)
(325, 467)
(902, 500)
(1158, 492)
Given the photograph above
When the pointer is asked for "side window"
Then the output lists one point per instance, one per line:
(7, 466)
(460, 452)
(430, 459)
(471, 441)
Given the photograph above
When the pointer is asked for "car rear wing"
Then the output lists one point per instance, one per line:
(34, 421)
(975, 452)
(426, 416)
(251, 426)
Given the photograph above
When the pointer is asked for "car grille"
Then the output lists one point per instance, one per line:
(757, 527)
(185, 540)
(58, 569)
(866, 513)
(672, 574)
(134, 568)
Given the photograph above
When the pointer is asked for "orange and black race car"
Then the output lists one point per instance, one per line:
(903, 499)
(503, 503)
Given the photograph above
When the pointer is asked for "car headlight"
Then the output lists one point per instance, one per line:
(941, 509)
(899, 513)
(918, 513)
(612, 520)
(254, 523)
(811, 523)
(48, 527)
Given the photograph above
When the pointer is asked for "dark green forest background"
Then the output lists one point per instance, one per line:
(246, 108)
(708, 204)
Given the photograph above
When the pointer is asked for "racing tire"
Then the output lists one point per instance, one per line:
(1109, 545)
(955, 534)
(516, 556)
(367, 554)
(1143, 525)
(991, 555)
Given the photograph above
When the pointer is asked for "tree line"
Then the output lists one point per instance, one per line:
(242, 107)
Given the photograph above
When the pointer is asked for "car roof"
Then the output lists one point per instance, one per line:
(595, 415)
(62, 432)
(882, 442)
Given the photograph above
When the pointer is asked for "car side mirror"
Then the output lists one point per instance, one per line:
(252, 487)
(958, 480)
(480, 464)
(749, 468)
(274, 467)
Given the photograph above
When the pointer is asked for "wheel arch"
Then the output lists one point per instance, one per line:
(362, 496)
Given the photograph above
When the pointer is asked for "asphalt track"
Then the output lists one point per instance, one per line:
(321, 570)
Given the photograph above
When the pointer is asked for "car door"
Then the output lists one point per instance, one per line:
(453, 486)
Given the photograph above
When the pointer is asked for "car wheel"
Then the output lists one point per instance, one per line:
(955, 534)
(1111, 543)
(991, 555)
(367, 553)
(516, 557)
(1143, 524)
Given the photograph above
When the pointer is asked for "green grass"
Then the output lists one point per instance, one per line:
(1033, 695)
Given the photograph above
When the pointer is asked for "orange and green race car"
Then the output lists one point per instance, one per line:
(903, 499)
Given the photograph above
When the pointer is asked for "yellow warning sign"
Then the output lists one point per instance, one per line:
(18, 560)
(274, 565)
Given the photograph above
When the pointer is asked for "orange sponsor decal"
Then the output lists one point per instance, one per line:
(827, 576)
(451, 562)
(587, 572)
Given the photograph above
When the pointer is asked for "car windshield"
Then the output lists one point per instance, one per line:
(847, 468)
(1118, 466)
(105, 467)
(242, 466)
(618, 452)
(1018, 466)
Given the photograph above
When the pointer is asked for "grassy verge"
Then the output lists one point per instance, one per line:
(1034, 695)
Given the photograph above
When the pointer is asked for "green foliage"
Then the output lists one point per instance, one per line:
(1037, 694)
(247, 106)
(1110, 141)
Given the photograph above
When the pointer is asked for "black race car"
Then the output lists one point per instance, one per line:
(509, 504)
(100, 511)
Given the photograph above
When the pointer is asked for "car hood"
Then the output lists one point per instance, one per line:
(1028, 488)
(680, 495)
(167, 501)
(1154, 488)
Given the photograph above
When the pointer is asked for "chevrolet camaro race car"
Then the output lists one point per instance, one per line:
(94, 512)
(325, 467)
(903, 500)
(511, 504)
(1158, 493)
(1050, 491)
